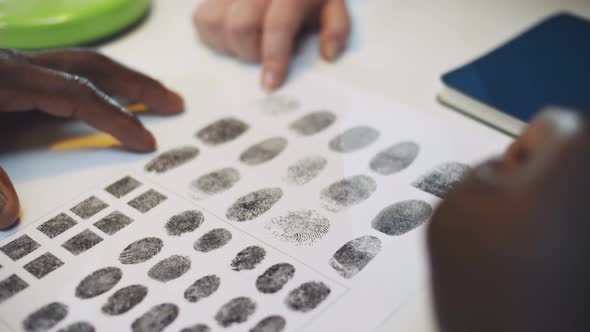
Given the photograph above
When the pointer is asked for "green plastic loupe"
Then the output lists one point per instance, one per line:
(42, 24)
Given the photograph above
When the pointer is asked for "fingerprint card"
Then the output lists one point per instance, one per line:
(289, 212)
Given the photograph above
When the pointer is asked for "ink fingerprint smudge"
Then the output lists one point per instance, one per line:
(274, 278)
(78, 327)
(156, 319)
(305, 170)
(197, 328)
(170, 268)
(124, 300)
(254, 204)
(270, 324)
(147, 201)
(202, 288)
(264, 151)
(302, 227)
(313, 123)
(98, 282)
(354, 139)
(45, 318)
(89, 207)
(235, 311)
(113, 223)
(215, 182)
(402, 217)
(347, 192)
(307, 296)
(172, 159)
(11, 286)
(43, 265)
(222, 131)
(141, 250)
(123, 186)
(184, 222)
(278, 104)
(354, 256)
(395, 158)
(57, 225)
(214, 239)
(442, 179)
(19, 248)
(248, 258)
(82, 242)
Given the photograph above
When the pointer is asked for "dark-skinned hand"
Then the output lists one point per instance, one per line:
(78, 84)
(510, 246)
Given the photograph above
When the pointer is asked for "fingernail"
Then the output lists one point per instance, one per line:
(332, 49)
(269, 80)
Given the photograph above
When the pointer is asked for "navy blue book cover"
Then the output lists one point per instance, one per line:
(547, 65)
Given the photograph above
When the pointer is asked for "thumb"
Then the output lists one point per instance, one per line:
(9, 203)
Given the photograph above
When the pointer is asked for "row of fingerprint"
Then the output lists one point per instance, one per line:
(79, 243)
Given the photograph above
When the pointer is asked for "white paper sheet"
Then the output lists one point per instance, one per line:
(358, 299)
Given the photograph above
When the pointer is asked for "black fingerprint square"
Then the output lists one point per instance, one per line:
(82, 242)
(123, 187)
(147, 201)
(11, 286)
(89, 207)
(43, 265)
(113, 223)
(20, 247)
(57, 225)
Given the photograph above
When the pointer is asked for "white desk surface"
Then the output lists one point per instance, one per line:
(399, 49)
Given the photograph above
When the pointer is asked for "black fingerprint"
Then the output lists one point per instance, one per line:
(19, 248)
(156, 319)
(184, 222)
(312, 123)
(43, 265)
(235, 311)
(113, 223)
(98, 282)
(222, 131)
(354, 139)
(248, 258)
(78, 327)
(89, 207)
(123, 187)
(147, 201)
(11, 286)
(395, 158)
(46, 317)
(402, 217)
(216, 181)
(275, 277)
(307, 296)
(141, 250)
(170, 268)
(172, 159)
(270, 324)
(81, 242)
(124, 300)
(278, 104)
(202, 288)
(442, 179)
(347, 192)
(197, 328)
(254, 204)
(352, 257)
(302, 227)
(214, 239)
(264, 151)
(305, 170)
(57, 225)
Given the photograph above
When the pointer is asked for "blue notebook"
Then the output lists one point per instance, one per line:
(547, 65)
